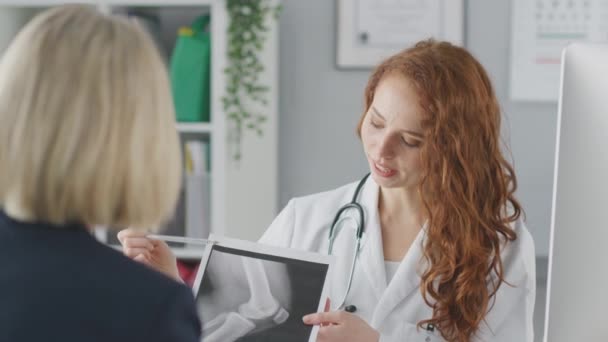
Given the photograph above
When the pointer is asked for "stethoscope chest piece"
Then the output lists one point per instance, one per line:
(350, 308)
(430, 328)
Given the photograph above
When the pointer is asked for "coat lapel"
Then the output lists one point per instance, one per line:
(372, 253)
(405, 281)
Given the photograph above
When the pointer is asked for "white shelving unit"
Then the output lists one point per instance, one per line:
(236, 208)
(202, 128)
(121, 3)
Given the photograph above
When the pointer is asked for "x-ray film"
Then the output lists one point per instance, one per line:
(247, 291)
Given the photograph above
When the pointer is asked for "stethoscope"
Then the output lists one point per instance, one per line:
(335, 229)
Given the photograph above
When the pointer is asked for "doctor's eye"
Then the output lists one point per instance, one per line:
(375, 124)
(413, 144)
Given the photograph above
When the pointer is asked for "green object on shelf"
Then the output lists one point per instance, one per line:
(190, 72)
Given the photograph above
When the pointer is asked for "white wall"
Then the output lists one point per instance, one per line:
(319, 105)
(251, 184)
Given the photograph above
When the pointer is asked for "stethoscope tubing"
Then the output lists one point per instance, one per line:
(334, 230)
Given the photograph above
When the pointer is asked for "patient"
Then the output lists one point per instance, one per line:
(87, 138)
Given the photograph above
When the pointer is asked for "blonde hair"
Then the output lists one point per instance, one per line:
(87, 130)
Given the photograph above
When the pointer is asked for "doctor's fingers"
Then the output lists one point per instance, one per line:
(331, 333)
(323, 318)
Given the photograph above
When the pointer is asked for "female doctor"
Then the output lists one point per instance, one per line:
(443, 255)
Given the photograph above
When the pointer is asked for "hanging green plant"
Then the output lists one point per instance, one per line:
(247, 33)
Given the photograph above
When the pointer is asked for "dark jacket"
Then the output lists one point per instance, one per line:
(61, 284)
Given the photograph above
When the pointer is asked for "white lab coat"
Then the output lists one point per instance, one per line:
(393, 309)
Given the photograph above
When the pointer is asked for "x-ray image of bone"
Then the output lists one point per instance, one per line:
(242, 295)
(249, 292)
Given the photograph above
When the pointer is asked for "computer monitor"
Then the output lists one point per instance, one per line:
(577, 289)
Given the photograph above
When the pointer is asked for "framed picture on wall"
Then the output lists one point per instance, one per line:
(370, 30)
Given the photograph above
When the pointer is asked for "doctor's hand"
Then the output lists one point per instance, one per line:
(341, 326)
(154, 253)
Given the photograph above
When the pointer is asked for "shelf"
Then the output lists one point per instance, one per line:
(127, 3)
(195, 127)
(163, 3)
(44, 3)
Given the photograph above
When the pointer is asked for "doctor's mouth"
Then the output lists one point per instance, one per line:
(383, 171)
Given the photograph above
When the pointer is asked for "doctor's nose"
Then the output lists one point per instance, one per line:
(385, 148)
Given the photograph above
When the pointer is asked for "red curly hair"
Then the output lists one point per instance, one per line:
(467, 186)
